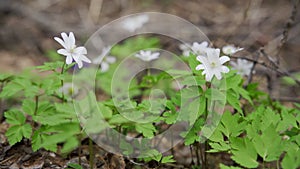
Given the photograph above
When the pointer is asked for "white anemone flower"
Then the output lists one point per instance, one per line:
(71, 51)
(242, 66)
(135, 22)
(104, 60)
(186, 49)
(147, 55)
(200, 48)
(68, 89)
(230, 49)
(212, 64)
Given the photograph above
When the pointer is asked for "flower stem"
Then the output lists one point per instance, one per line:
(62, 81)
(91, 152)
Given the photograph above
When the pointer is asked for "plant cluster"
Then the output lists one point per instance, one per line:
(252, 129)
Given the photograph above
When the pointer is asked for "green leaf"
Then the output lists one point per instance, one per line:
(49, 114)
(75, 166)
(243, 152)
(126, 147)
(49, 136)
(118, 119)
(233, 81)
(233, 99)
(291, 159)
(219, 147)
(147, 129)
(5, 77)
(28, 106)
(15, 133)
(14, 117)
(167, 159)
(152, 154)
(12, 88)
(222, 166)
(70, 144)
(269, 144)
(231, 126)
(244, 93)
(105, 111)
(51, 66)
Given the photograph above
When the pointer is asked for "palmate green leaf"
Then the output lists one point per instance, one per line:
(5, 77)
(233, 80)
(269, 144)
(14, 117)
(231, 125)
(15, 133)
(28, 106)
(51, 66)
(118, 119)
(215, 94)
(244, 93)
(17, 85)
(51, 85)
(222, 166)
(74, 166)
(13, 88)
(291, 159)
(233, 99)
(151, 154)
(219, 147)
(167, 159)
(126, 147)
(243, 152)
(70, 144)
(49, 114)
(288, 120)
(147, 129)
(49, 136)
(170, 117)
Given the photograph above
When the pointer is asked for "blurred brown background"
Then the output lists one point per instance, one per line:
(27, 27)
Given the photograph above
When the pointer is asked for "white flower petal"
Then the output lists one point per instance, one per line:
(71, 39)
(218, 75)
(61, 42)
(66, 40)
(80, 64)
(200, 67)
(85, 59)
(110, 59)
(224, 59)
(80, 50)
(225, 69)
(69, 59)
(104, 67)
(63, 52)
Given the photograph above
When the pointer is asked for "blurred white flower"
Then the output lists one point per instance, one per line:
(212, 64)
(71, 51)
(147, 55)
(135, 22)
(68, 89)
(242, 66)
(200, 48)
(104, 60)
(196, 48)
(186, 49)
(230, 49)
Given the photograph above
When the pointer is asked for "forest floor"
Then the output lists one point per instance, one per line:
(27, 28)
